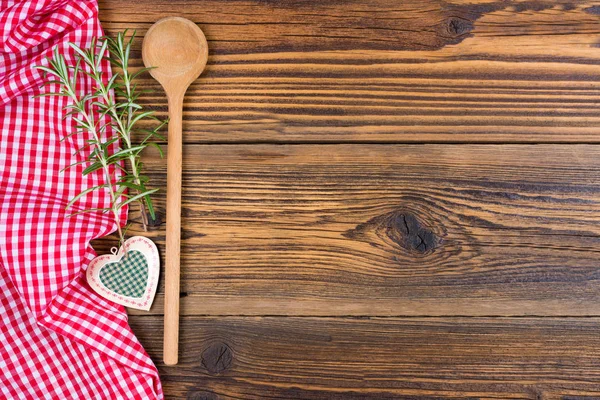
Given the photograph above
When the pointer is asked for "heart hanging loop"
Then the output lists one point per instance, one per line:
(114, 251)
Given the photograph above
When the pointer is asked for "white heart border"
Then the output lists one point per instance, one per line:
(148, 248)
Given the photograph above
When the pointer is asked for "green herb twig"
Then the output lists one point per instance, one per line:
(109, 114)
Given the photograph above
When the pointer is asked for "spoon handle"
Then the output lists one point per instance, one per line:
(173, 233)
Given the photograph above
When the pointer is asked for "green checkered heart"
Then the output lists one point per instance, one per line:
(127, 277)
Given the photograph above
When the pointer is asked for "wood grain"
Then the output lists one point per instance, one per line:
(384, 71)
(389, 229)
(323, 259)
(380, 358)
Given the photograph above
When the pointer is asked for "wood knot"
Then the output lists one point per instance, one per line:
(594, 10)
(217, 357)
(458, 26)
(406, 230)
(202, 395)
(398, 228)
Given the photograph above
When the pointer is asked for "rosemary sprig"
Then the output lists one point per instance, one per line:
(110, 114)
(129, 112)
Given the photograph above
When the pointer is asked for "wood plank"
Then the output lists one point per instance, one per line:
(346, 358)
(389, 229)
(426, 70)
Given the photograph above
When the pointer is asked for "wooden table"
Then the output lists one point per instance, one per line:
(385, 199)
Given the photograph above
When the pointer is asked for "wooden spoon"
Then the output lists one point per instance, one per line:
(177, 48)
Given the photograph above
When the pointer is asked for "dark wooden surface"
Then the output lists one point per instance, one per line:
(385, 199)
(380, 358)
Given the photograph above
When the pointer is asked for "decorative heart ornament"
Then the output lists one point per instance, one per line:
(128, 277)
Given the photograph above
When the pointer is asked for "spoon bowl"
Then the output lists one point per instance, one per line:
(176, 50)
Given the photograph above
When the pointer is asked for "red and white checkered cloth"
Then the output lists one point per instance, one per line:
(59, 339)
